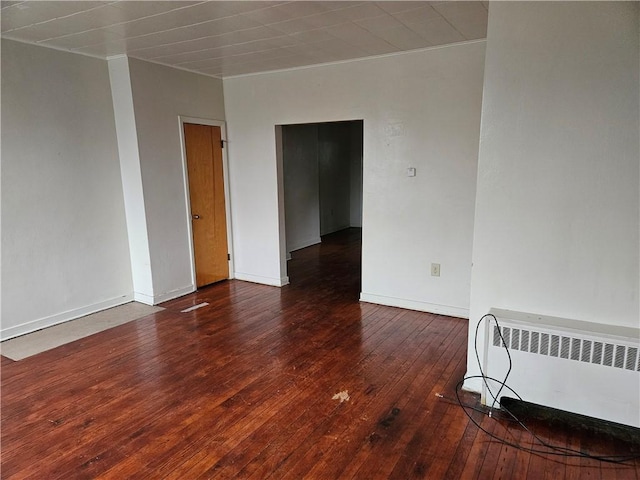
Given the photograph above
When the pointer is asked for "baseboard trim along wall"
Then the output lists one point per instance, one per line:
(143, 298)
(6, 334)
(304, 244)
(448, 310)
(163, 297)
(178, 292)
(273, 281)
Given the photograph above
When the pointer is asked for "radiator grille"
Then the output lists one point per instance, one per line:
(570, 348)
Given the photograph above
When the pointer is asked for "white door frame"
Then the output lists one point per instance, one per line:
(227, 200)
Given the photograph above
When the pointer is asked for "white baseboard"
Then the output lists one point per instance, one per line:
(335, 229)
(304, 244)
(51, 320)
(275, 282)
(178, 292)
(448, 310)
(473, 385)
(143, 298)
(163, 297)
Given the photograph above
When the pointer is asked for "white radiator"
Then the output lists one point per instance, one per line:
(580, 367)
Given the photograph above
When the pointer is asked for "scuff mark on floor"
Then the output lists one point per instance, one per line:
(342, 396)
(195, 307)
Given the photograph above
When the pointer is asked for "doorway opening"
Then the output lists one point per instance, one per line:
(321, 183)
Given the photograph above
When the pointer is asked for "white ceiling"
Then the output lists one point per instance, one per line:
(224, 38)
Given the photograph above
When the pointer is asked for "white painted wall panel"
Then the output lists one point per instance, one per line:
(301, 186)
(355, 200)
(334, 167)
(420, 109)
(64, 237)
(160, 95)
(557, 209)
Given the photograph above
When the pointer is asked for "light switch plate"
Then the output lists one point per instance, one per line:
(435, 269)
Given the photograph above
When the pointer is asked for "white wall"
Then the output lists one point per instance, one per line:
(301, 186)
(557, 209)
(131, 174)
(160, 95)
(355, 200)
(64, 237)
(334, 168)
(420, 109)
(322, 165)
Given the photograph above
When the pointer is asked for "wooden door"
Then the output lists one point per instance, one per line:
(203, 144)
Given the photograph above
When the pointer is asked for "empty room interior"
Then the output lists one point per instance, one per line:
(320, 239)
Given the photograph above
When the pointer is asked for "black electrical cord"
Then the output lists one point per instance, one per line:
(552, 449)
(480, 409)
(484, 377)
(562, 451)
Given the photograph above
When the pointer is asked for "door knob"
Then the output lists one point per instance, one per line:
(195, 217)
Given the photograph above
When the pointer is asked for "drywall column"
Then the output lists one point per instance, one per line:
(131, 179)
(557, 207)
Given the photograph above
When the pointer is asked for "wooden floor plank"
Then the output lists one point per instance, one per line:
(278, 451)
(312, 394)
(384, 446)
(305, 379)
(364, 387)
(243, 388)
(383, 405)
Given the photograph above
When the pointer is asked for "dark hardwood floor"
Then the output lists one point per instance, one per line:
(246, 388)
